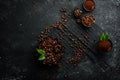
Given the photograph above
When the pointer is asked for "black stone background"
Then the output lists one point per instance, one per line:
(21, 21)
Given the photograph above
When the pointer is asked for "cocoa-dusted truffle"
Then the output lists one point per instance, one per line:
(105, 44)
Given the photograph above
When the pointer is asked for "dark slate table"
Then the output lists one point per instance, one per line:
(21, 21)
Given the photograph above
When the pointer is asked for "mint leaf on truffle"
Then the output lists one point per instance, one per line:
(104, 37)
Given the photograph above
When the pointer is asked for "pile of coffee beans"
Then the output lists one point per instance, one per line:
(54, 50)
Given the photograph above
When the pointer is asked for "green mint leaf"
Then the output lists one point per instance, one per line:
(42, 54)
(41, 58)
(102, 37)
(106, 36)
(40, 51)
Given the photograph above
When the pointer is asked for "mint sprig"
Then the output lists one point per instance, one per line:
(42, 54)
(104, 37)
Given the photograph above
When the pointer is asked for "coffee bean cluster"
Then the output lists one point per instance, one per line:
(54, 50)
(78, 53)
(77, 12)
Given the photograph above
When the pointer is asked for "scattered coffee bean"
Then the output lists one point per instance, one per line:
(78, 21)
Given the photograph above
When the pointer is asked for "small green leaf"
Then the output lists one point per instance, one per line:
(41, 58)
(106, 36)
(42, 54)
(40, 51)
(102, 37)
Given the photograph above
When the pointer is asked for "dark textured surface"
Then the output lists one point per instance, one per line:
(21, 22)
